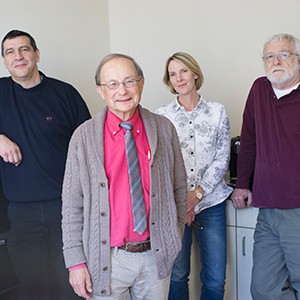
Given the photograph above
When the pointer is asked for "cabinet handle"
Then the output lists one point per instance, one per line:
(244, 246)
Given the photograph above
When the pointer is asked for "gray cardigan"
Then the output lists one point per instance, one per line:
(86, 215)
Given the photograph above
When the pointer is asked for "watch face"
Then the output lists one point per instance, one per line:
(199, 195)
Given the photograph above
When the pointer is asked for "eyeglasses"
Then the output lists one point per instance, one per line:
(283, 55)
(114, 85)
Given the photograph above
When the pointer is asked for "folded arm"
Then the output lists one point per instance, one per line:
(10, 151)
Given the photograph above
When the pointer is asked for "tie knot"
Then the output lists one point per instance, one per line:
(126, 125)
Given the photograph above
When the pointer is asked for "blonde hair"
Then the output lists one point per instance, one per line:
(190, 63)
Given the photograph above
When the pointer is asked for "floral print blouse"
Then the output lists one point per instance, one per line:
(204, 135)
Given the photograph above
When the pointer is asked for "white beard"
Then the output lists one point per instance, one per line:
(284, 77)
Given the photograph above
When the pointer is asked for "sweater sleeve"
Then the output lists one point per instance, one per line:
(72, 208)
(180, 179)
(247, 151)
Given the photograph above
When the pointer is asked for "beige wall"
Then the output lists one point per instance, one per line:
(72, 36)
(226, 38)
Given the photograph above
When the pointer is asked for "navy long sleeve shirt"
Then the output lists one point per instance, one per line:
(41, 121)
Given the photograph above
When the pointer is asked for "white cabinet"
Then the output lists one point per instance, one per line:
(244, 262)
(231, 287)
(240, 230)
(231, 278)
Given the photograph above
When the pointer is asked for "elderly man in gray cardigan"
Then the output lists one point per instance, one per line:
(106, 257)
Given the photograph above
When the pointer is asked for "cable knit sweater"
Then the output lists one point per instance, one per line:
(86, 225)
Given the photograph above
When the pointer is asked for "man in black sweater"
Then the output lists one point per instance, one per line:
(38, 115)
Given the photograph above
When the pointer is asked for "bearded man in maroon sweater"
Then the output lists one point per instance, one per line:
(270, 145)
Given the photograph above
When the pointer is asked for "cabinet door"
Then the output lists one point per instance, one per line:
(246, 217)
(244, 262)
(230, 286)
(230, 213)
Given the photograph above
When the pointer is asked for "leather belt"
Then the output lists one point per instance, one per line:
(136, 247)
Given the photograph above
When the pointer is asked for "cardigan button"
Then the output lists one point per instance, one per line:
(103, 184)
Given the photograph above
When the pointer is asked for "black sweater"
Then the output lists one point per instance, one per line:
(40, 120)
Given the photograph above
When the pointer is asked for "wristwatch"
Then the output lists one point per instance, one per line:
(199, 195)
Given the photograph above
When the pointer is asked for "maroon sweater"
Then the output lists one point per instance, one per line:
(270, 147)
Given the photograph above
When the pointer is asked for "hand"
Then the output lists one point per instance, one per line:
(10, 151)
(80, 280)
(190, 217)
(241, 198)
(192, 200)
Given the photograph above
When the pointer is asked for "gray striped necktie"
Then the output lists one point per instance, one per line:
(136, 190)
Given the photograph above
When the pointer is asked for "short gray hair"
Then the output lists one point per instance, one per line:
(284, 36)
(111, 56)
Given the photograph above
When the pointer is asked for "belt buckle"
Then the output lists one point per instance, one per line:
(126, 246)
(135, 247)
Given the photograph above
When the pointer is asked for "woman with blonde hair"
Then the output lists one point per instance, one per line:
(204, 134)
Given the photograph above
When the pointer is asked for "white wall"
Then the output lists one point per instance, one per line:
(226, 37)
(72, 36)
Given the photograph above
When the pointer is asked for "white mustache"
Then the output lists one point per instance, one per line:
(278, 69)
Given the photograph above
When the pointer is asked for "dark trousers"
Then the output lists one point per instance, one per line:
(35, 247)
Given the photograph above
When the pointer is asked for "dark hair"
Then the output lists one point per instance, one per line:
(111, 56)
(15, 33)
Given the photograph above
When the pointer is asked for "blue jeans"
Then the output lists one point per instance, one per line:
(211, 240)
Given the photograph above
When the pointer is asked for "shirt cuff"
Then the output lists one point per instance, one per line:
(80, 266)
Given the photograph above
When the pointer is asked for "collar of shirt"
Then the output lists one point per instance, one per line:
(113, 122)
(281, 93)
(178, 106)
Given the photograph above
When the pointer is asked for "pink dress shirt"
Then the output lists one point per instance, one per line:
(121, 216)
